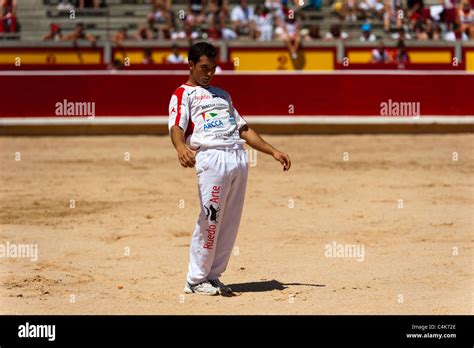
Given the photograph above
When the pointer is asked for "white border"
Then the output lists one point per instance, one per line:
(267, 120)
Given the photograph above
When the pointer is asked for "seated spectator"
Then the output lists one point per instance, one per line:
(80, 34)
(380, 54)
(89, 3)
(229, 34)
(371, 8)
(218, 12)
(433, 30)
(313, 33)
(414, 5)
(351, 8)
(335, 33)
(367, 35)
(147, 56)
(263, 23)
(216, 32)
(289, 33)
(454, 33)
(196, 15)
(401, 34)
(346, 9)
(120, 36)
(466, 14)
(217, 21)
(393, 14)
(273, 5)
(54, 34)
(65, 5)
(8, 19)
(143, 33)
(280, 15)
(175, 57)
(159, 19)
(466, 19)
(420, 33)
(316, 4)
(419, 16)
(188, 33)
(213, 32)
(241, 17)
(449, 13)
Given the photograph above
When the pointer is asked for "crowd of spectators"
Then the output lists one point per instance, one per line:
(285, 20)
(448, 20)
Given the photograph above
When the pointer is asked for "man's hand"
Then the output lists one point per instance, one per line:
(186, 156)
(283, 158)
(255, 141)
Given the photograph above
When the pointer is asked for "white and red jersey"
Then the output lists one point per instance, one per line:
(207, 116)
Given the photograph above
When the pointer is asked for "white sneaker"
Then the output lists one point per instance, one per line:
(224, 290)
(203, 288)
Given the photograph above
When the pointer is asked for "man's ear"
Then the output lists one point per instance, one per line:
(191, 65)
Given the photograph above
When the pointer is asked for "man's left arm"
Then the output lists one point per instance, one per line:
(256, 141)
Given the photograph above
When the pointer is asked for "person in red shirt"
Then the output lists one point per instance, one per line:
(8, 20)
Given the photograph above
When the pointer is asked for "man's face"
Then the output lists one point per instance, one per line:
(203, 71)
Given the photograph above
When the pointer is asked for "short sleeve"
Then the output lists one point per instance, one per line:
(179, 109)
(238, 118)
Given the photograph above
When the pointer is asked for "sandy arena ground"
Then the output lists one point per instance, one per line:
(417, 259)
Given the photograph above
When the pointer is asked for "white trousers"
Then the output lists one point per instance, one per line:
(222, 181)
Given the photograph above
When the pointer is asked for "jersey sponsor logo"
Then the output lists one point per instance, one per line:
(217, 104)
(207, 106)
(212, 215)
(213, 124)
(225, 135)
(232, 120)
(202, 97)
(208, 115)
(210, 121)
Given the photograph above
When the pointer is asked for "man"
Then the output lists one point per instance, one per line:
(175, 57)
(80, 34)
(241, 17)
(367, 35)
(203, 119)
(8, 19)
(380, 54)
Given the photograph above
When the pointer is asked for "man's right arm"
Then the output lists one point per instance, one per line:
(178, 121)
(185, 154)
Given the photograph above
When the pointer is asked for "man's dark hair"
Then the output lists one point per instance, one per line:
(200, 49)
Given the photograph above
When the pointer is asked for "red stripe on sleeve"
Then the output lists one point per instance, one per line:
(179, 94)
